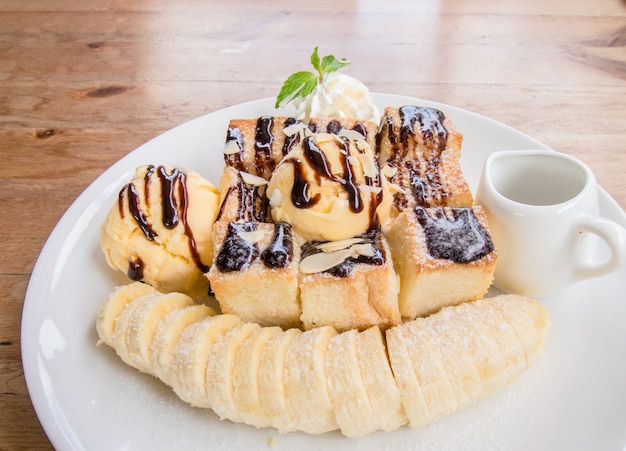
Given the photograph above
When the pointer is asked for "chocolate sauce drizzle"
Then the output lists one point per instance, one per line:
(280, 251)
(174, 205)
(418, 186)
(334, 127)
(135, 268)
(316, 158)
(431, 125)
(237, 254)
(423, 175)
(229, 193)
(134, 206)
(263, 145)
(344, 268)
(293, 140)
(425, 182)
(234, 159)
(461, 239)
(169, 183)
(300, 194)
(360, 128)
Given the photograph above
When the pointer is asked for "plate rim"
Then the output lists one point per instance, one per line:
(52, 425)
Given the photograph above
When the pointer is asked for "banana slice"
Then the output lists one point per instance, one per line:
(191, 357)
(219, 384)
(507, 341)
(143, 323)
(245, 377)
(378, 381)
(449, 338)
(482, 348)
(527, 318)
(350, 402)
(305, 381)
(167, 334)
(122, 326)
(411, 393)
(271, 381)
(429, 369)
(113, 305)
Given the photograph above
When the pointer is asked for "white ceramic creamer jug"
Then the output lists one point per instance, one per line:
(544, 218)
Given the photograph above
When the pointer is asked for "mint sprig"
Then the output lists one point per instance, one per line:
(301, 84)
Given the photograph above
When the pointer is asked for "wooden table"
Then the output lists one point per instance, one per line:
(84, 83)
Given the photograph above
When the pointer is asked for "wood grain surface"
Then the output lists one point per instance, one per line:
(84, 83)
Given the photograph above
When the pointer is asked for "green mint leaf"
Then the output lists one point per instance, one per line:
(315, 61)
(299, 84)
(331, 64)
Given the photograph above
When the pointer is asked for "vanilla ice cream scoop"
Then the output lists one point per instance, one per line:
(329, 188)
(337, 96)
(160, 229)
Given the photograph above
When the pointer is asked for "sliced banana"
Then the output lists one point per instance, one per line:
(245, 376)
(378, 380)
(219, 375)
(191, 357)
(168, 333)
(112, 307)
(408, 384)
(318, 381)
(306, 392)
(271, 377)
(347, 392)
(143, 323)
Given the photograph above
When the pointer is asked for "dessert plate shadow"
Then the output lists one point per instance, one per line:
(88, 399)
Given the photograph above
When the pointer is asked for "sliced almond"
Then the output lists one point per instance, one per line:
(231, 147)
(351, 134)
(363, 146)
(366, 249)
(305, 132)
(329, 259)
(370, 188)
(252, 179)
(276, 198)
(294, 128)
(321, 138)
(254, 236)
(332, 246)
(323, 261)
(395, 188)
(389, 171)
(369, 166)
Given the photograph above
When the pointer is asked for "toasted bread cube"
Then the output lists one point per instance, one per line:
(444, 256)
(356, 294)
(417, 133)
(420, 148)
(241, 200)
(257, 145)
(345, 126)
(255, 272)
(429, 183)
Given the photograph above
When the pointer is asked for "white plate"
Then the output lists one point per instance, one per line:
(86, 398)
